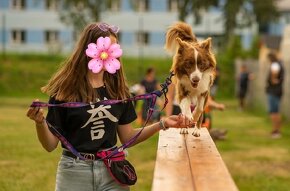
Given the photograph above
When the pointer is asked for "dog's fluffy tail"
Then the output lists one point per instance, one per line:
(178, 30)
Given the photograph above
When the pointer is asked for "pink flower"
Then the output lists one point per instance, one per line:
(104, 54)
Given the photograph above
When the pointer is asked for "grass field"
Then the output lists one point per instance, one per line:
(255, 161)
(23, 75)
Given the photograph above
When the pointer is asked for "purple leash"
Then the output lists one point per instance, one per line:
(64, 141)
(150, 96)
(102, 102)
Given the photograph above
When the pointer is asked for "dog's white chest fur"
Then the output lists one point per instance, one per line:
(196, 96)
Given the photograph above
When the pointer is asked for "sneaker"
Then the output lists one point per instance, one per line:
(275, 135)
(217, 134)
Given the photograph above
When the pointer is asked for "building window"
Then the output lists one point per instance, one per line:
(142, 5)
(18, 4)
(172, 5)
(51, 4)
(51, 36)
(18, 36)
(142, 38)
(114, 5)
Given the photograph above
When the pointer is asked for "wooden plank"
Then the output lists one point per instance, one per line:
(188, 163)
(172, 172)
(208, 169)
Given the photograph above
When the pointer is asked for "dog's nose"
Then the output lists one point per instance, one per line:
(195, 79)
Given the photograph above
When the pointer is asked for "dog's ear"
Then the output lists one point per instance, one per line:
(206, 44)
(181, 45)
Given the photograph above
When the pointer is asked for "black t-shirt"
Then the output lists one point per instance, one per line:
(92, 127)
(244, 78)
(275, 89)
(149, 86)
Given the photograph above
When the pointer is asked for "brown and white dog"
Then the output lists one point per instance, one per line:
(194, 68)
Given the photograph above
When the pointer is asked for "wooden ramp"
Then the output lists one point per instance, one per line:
(188, 163)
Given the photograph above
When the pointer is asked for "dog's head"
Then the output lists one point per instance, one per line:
(192, 60)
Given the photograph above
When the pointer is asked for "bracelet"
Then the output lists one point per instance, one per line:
(162, 125)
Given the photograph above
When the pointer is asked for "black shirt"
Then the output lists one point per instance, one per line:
(275, 89)
(244, 79)
(92, 127)
(149, 86)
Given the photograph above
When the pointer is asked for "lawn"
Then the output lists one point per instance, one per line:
(255, 161)
(23, 75)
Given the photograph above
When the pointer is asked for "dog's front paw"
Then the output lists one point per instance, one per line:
(183, 131)
(196, 132)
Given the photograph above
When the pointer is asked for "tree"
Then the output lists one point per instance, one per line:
(79, 13)
(195, 7)
(265, 11)
(250, 11)
(236, 13)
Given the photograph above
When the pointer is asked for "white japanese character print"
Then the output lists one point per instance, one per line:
(97, 116)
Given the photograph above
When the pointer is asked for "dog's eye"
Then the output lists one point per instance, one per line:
(202, 65)
(187, 64)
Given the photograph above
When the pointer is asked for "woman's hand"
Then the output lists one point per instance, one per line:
(177, 121)
(36, 114)
(46, 138)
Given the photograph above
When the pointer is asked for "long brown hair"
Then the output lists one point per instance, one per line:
(71, 83)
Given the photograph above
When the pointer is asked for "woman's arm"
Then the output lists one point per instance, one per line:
(48, 141)
(126, 132)
(215, 105)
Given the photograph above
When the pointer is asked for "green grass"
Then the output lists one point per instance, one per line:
(23, 75)
(255, 161)
(24, 165)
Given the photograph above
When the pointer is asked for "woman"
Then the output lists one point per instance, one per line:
(150, 84)
(93, 72)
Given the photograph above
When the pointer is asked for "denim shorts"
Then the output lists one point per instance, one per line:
(77, 175)
(273, 103)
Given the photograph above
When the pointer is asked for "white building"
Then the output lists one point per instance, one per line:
(34, 26)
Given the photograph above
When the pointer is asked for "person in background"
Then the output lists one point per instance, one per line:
(274, 90)
(136, 90)
(172, 106)
(150, 84)
(215, 133)
(243, 82)
(214, 87)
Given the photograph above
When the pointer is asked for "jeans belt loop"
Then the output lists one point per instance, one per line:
(89, 156)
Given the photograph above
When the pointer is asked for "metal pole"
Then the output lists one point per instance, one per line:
(4, 36)
(141, 42)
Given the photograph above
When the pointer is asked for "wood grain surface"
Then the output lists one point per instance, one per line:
(188, 163)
